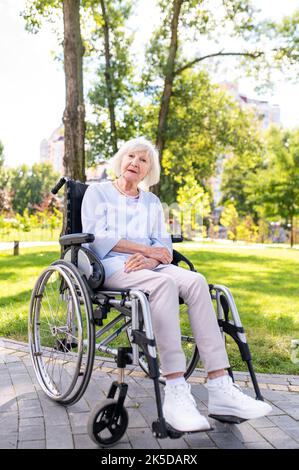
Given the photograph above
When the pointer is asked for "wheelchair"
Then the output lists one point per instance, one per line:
(68, 309)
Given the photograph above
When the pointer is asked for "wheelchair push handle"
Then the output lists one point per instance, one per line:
(59, 185)
(177, 238)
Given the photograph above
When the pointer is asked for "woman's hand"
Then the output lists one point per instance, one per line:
(160, 254)
(138, 261)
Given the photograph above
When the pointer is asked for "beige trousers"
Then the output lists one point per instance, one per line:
(164, 288)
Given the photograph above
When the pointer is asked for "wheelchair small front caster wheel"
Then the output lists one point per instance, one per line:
(105, 425)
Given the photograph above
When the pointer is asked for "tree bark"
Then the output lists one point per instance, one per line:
(74, 113)
(168, 83)
(108, 78)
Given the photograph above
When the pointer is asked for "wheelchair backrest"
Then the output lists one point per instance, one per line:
(75, 193)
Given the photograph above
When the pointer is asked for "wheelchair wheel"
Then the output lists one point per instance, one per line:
(105, 425)
(60, 322)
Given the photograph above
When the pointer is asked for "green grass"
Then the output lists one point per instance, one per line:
(264, 283)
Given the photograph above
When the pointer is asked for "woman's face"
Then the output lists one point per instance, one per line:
(135, 166)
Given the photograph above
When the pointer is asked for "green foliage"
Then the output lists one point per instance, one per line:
(204, 124)
(30, 185)
(230, 220)
(122, 84)
(38, 11)
(194, 206)
(276, 188)
(247, 230)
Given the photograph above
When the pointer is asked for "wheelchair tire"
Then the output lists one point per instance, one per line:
(104, 427)
(60, 325)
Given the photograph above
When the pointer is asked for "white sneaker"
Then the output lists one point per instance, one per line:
(180, 411)
(226, 398)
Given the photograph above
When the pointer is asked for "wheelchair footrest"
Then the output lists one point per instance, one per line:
(228, 419)
(161, 430)
(171, 432)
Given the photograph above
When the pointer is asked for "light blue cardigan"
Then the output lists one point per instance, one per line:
(111, 216)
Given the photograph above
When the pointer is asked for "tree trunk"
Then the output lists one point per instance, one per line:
(168, 82)
(108, 78)
(74, 113)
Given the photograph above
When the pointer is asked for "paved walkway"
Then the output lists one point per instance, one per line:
(28, 419)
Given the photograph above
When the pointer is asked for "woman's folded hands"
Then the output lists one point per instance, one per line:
(154, 256)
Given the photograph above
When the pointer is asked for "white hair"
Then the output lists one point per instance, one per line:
(138, 144)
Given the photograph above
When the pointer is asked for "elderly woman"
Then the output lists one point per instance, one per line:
(135, 248)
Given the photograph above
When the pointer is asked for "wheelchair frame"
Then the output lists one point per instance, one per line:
(81, 271)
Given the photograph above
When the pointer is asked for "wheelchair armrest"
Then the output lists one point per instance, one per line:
(76, 239)
(178, 257)
(176, 238)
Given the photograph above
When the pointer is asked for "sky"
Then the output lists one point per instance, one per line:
(32, 89)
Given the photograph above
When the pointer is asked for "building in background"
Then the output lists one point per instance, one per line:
(52, 151)
(267, 112)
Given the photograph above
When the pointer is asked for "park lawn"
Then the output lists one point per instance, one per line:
(264, 283)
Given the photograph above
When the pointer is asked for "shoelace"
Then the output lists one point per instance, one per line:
(235, 391)
(182, 395)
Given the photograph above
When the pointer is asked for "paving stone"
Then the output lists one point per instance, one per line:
(261, 423)
(43, 423)
(278, 438)
(289, 408)
(29, 409)
(8, 422)
(80, 407)
(148, 409)
(173, 443)
(59, 437)
(294, 433)
(294, 380)
(136, 420)
(83, 441)
(11, 358)
(9, 440)
(29, 396)
(246, 433)
(275, 395)
(32, 444)
(284, 422)
(122, 445)
(142, 439)
(32, 433)
(16, 367)
(78, 422)
(199, 440)
(24, 422)
(258, 445)
(225, 440)
(56, 416)
(200, 392)
(276, 410)
(136, 391)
